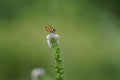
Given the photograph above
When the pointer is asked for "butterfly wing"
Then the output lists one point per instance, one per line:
(50, 29)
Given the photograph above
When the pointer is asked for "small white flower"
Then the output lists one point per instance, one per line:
(49, 44)
(37, 72)
(50, 36)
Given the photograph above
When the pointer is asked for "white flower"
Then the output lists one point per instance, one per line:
(50, 36)
(49, 44)
(37, 72)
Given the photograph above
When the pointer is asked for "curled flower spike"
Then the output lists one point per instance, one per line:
(52, 37)
(53, 42)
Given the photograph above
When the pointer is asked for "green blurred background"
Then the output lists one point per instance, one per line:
(90, 38)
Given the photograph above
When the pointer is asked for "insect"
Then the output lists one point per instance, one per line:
(50, 29)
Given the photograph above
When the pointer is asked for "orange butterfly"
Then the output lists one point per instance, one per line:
(50, 29)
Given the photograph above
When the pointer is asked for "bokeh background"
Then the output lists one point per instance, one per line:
(90, 38)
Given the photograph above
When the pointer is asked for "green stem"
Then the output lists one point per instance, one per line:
(58, 60)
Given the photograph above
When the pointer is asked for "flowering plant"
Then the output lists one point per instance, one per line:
(53, 42)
